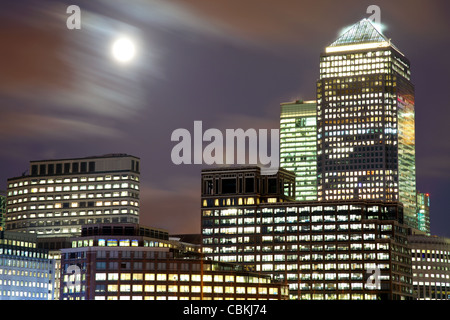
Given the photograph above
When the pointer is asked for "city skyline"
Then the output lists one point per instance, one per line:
(196, 62)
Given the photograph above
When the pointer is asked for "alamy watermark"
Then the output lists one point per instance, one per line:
(376, 13)
(227, 149)
(73, 273)
(373, 278)
(74, 20)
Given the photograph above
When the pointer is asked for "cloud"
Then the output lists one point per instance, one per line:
(173, 205)
(31, 127)
(67, 70)
(285, 22)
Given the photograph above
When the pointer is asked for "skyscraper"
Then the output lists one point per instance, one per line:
(365, 120)
(298, 146)
(59, 196)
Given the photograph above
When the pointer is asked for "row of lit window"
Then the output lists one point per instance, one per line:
(274, 226)
(72, 180)
(324, 73)
(149, 288)
(74, 188)
(360, 173)
(432, 283)
(339, 286)
(162, 297)
(340, 296)
(21, 283)
(176, 277)
(18, 243)
(303, 218)
(72, 213)
(335, 61)
(73, 205)
(295, 219)
(367, 187)
(69, 196)
(23, 294)
(432, 275)
(309, 257)
(22, 263)
(119, 243)
(326, 68)
(357, 55)
(360, 196)
(317, 210)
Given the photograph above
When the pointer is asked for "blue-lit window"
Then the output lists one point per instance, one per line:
(111, 243)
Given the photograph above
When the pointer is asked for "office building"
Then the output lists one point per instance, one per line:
(423, 212)
(132, 262)
(342, 250)
(298, 146)
(365, 121)
(57, 197)
(25, 269)
(431, 267)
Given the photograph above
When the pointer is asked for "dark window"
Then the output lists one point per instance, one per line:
(228, 186)
(272, 185)
(58, 168)
(83, 166)
(42, 169)
(91, 166)
(34, 169)
(75, 167)
(66, 167)
(51, 169)
(249, 185)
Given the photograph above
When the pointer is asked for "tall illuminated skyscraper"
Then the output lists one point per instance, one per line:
(365, 120)
(298, 146)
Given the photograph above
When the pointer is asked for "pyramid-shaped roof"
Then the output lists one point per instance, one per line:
(363, 31)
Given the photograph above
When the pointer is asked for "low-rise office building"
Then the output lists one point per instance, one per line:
(25, 269)
(110, 265)
(338, 250)
(58, 196)
(431, 267)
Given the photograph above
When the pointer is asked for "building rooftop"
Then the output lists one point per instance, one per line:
(109, 155)
(362, 35)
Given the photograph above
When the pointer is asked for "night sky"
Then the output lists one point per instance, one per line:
(227, 63)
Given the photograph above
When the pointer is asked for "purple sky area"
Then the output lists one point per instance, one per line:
(228, 63)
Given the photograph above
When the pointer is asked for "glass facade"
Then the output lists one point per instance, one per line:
(423, 212)
(298, 146)
(365, 119)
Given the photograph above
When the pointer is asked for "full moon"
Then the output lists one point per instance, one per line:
(123, 50)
